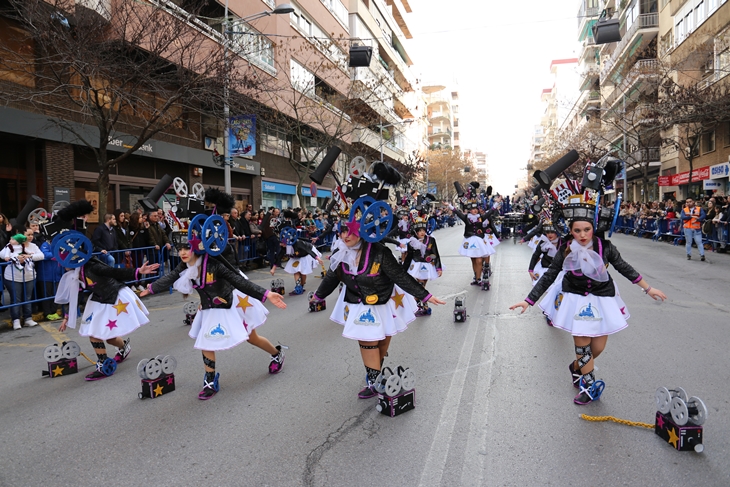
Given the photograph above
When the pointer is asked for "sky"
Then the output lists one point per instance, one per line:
(497, 55)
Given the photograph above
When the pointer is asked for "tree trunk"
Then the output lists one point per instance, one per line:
(102, 184)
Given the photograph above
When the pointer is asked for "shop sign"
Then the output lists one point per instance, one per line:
(720, 171)
(711, 185)
(697, 175)
(664, 180)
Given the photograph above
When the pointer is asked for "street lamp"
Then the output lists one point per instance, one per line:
(284, 8)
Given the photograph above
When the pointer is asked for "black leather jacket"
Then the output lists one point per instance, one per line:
(577, 283)
(301, 248)
(432, 254)
(216, 289)
(377, 272)
(542, 256)
(104, 281)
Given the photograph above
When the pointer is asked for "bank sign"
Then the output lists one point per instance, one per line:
(720, 171)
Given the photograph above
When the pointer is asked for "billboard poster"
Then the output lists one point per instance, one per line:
(242, 136)
(93, 198)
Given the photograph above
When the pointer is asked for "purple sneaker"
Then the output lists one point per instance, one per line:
(209, 389)
(123, 353)
(103, 370)
(367, 392)
(277, 361)
(575, 374)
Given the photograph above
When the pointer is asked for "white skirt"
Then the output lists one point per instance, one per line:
(533, 242)
(589, 316)
(404, 241)
(490, 239)
(220, 328)
(423, 271)
(370, 323)
(106, 321)
(304, 265)
(475, 247)
(539, 270)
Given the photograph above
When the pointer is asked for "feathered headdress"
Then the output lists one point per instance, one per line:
(77, 209)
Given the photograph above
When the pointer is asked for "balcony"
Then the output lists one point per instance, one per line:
(585, 14)
(443, 113)
(589, 75)
(641, 71)
(644, 29)
(646, 155)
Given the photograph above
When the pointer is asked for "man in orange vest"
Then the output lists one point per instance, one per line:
(692, 217)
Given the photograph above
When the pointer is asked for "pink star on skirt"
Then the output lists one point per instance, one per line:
(112, 324)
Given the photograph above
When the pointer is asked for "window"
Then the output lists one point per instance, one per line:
(337, 9)
(301, 78)
(727, 134)
(251, 44)
(273, 140)
(708, 142)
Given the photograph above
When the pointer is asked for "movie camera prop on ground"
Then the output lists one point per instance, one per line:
(317, 304)
(61, 360)
(679, 419)
(190, 309)
(566, 200)
(157, 376)
(396, 392)
(460, 309)
(362, 195)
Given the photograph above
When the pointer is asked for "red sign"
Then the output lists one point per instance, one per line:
(683, 178)
(664, 180)
(313, 189)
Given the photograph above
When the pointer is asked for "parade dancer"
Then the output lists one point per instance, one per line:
(491, 238)
(587, 304)
(473, 245)
(402, 232)
(111, 312)
(545, 250)
(369, 305)
(231, 307)
(422, 260)
(303, 259)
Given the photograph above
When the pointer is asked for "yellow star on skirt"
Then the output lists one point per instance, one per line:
(243, 303)
(398, 298)
(121, 307)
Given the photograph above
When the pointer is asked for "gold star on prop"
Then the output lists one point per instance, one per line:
(673, 438)
(243, 303)
(57, 371)
(398, 298)
(157, 390)
(121, 307)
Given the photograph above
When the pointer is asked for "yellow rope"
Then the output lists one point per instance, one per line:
(617, 420)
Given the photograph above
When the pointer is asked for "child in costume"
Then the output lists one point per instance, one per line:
(370, 306)
(587, 304)
(474, 245)
(422, 260)
(304, 258)
(111, 312)
(545, 250)
(231, 307)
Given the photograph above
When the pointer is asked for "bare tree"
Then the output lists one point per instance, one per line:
(446, 166)
(124, 70)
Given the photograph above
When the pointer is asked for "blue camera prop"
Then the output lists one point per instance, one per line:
(215, 235)
(374, 225)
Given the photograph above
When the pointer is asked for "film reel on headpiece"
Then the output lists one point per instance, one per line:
(376, 222)
(52, 353)
(288, 235)
(70, 350)
(195, 232)
(59, 205)
(358, 166)
(180, 187)
(199, 191)
(72, 249)
(215, 235)
(38, 216)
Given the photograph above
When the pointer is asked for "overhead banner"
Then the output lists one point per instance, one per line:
(242, 136)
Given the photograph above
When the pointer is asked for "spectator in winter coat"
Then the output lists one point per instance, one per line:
(19, 275)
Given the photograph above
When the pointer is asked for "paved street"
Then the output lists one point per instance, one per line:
(494, 399)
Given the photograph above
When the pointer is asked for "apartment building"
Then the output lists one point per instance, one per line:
(442, 107)
(281, 50)
(694, 37)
